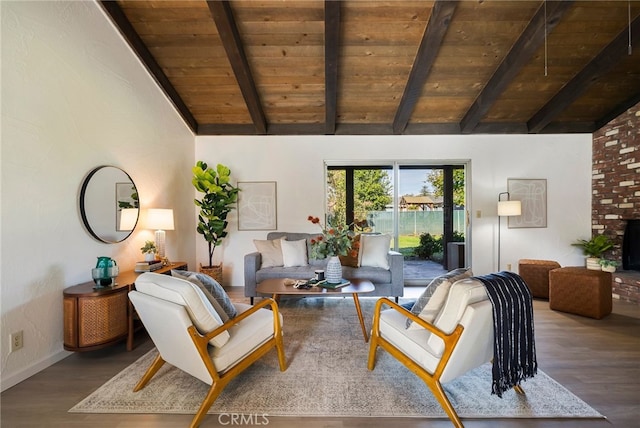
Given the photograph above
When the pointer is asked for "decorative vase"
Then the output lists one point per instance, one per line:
(105, 272)
(333, 272)
(149, 257)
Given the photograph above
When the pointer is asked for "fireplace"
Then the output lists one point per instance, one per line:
(631, 246)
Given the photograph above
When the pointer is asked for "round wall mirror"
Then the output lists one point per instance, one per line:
(109, 204)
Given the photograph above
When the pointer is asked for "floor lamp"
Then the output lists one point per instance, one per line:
(506, 208)
(160, 219)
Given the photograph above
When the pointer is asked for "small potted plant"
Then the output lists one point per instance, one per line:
(593, 249)
(149, 250)
(608, 265)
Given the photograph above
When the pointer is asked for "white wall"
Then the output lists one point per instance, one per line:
(74, 96)
(297, 164)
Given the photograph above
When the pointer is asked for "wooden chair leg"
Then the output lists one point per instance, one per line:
(519, 390)
(152, 370)
(438, 392)
(373, 347)
(213, 393)
(280, 348)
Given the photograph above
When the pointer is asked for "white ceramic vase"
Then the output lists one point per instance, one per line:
(149, 257)
(333, 272)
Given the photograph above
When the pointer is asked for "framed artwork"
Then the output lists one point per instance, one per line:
(532, 193)
(257, 205)
(126, 197)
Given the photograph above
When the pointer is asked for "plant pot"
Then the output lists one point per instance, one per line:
(149, 257)
(593, 263)
(610, 269)
(214, 272)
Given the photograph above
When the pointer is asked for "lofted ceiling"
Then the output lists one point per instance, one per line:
(388, 67)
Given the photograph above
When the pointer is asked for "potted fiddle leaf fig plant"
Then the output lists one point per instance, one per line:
(218, 199)
(593, 249)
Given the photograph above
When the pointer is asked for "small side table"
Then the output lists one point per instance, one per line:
(97, 318)
(580, 291)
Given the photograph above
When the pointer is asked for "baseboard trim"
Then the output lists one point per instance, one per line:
(27, 372)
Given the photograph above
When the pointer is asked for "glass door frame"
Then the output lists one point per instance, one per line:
(395, 167)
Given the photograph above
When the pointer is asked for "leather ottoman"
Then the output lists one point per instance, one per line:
(535, 274)
(580, 291)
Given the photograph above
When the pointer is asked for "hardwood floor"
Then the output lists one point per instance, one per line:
(598, 360)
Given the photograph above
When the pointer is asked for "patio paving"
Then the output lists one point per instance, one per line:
(421, 272)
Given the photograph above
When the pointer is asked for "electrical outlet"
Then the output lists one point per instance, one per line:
(17, 341)
(509, 266)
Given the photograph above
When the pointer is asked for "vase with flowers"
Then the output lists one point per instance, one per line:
(334, 241)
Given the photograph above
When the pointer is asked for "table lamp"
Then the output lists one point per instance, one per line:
(160, 219)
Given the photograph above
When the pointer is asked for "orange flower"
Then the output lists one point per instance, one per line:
(332, 241)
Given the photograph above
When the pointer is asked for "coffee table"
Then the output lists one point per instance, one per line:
(276, 287)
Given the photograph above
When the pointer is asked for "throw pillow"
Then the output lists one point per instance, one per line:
(351, 259)
(294, 253)
(271, 252)
(212, 290)
(374, 250)
(187, 294)
(430, 303)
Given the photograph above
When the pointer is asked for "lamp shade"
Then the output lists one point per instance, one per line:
(159, 219)
(509, 208)
(128, 218)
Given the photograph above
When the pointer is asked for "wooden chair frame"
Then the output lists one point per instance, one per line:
(219, 381)
(431, 380)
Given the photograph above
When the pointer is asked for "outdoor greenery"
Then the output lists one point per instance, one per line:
(431, 247)
(372, 196)
(436, 179)
(372, 192)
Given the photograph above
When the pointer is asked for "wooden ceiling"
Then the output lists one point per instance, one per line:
(388, 67)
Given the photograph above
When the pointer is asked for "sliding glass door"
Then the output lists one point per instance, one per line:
(421, 206)
(431, 219)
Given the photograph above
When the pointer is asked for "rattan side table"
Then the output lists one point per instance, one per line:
(96, 318)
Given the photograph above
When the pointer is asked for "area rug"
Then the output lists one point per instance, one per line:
(327, 375)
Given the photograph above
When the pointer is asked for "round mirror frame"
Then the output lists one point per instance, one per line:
(86, 217)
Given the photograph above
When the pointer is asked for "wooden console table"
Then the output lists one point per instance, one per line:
(96, 318)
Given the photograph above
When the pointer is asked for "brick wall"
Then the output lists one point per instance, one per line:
(616, 190)
(616, 177)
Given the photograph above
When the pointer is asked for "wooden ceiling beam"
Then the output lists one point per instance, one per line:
(618, 110)
(228, 32)
(135, 42)
(429, 46)
(594, 70)
(518, 56)
(331, 51)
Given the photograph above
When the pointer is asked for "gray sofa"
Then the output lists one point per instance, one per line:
(389, 283)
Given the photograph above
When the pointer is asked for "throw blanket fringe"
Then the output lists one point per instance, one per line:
(514, 349)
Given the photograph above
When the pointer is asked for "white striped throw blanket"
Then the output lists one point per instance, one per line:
(514, 349)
